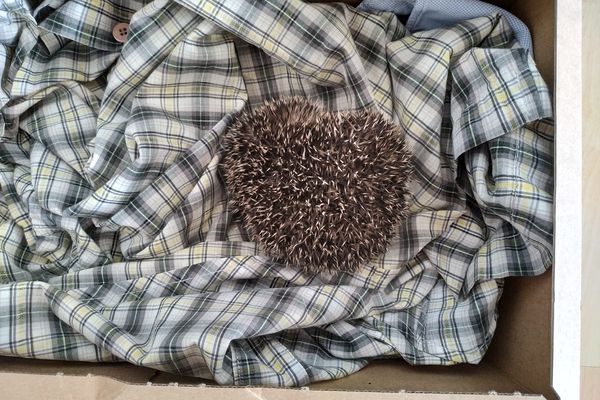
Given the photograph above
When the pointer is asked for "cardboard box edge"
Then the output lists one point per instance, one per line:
(566, 315)
(103, 388)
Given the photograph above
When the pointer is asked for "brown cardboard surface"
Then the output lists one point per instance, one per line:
(382, 375)
(396, 375)
(539, 16)
(121, 371)
(522, 344)
(63, 387)
(519, 358)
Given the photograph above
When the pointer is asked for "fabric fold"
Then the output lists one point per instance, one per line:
(495, 91)
(286, 29)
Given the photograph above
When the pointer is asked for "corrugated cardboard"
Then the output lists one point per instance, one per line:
(536, 346)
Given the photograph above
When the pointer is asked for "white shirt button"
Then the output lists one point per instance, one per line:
(120, 31)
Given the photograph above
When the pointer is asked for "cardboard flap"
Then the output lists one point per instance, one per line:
(90, 387)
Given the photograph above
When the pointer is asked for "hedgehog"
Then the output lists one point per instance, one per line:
(318, 190)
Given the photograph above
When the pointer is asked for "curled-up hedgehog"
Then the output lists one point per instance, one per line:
(323, 191)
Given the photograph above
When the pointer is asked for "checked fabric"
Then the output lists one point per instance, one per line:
(116, 242)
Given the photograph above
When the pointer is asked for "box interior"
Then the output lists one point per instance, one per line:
(519, 359)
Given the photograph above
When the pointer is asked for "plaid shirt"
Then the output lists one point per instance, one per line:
(116, 242)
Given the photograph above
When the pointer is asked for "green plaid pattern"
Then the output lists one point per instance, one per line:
(116, 241)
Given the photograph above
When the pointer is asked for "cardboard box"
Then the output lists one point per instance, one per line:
(535, 353)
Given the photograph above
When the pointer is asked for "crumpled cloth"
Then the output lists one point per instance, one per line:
(422, 15)
(116, 241)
